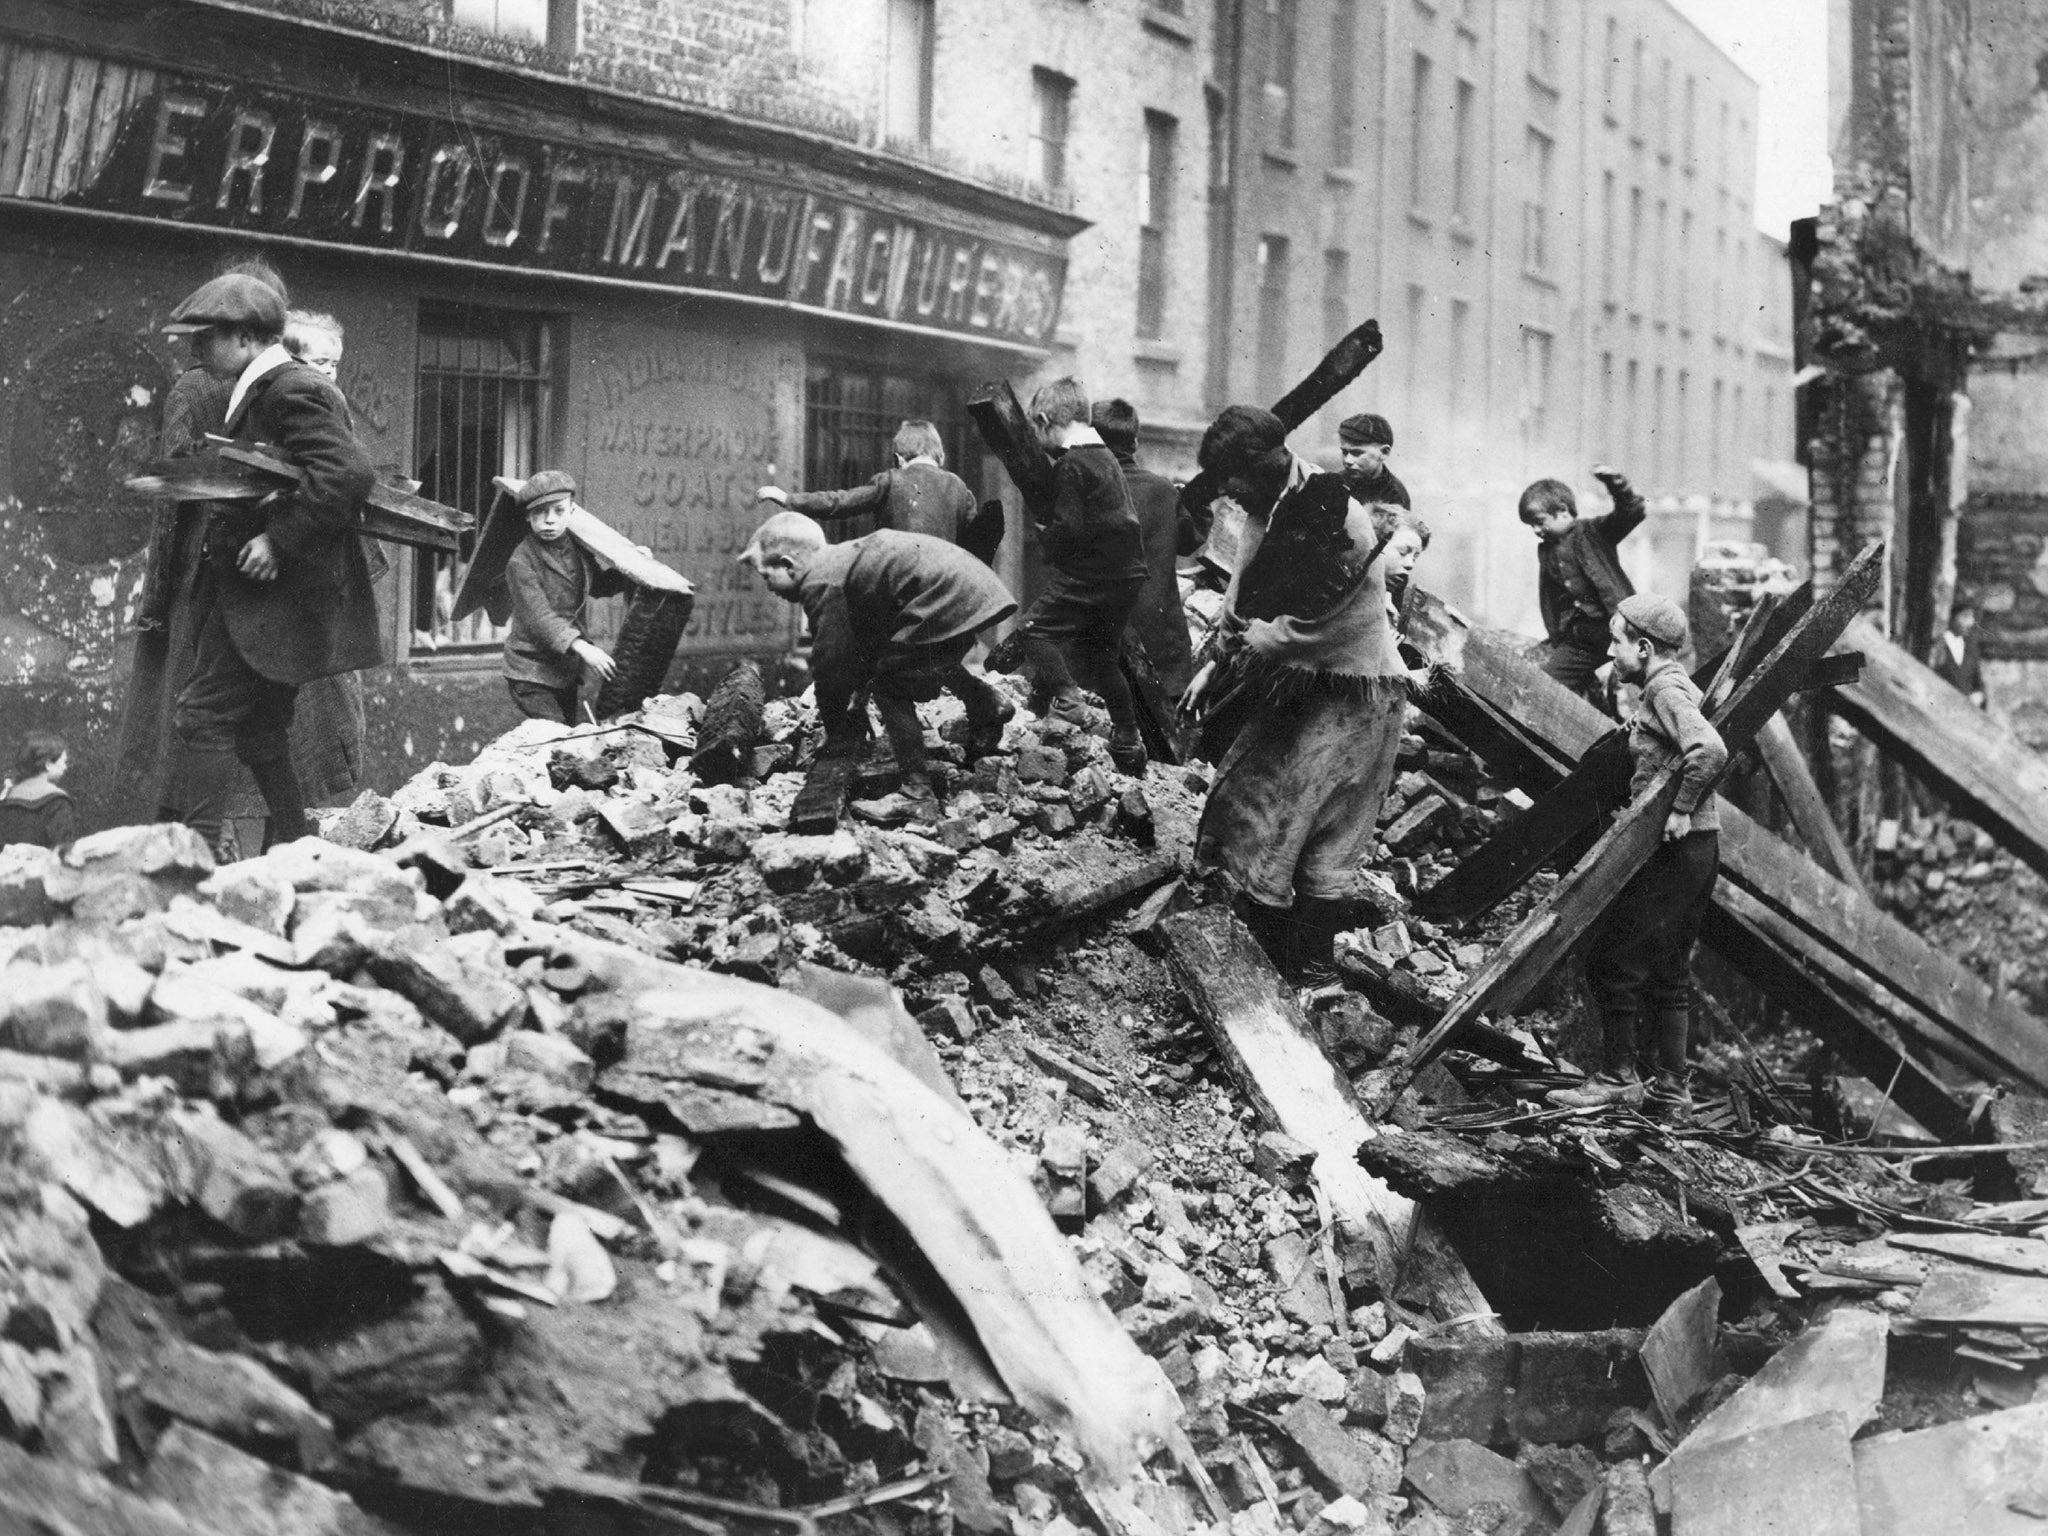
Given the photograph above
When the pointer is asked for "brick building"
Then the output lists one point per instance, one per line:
(1548, 205)
(677, 249)
(1926, 324)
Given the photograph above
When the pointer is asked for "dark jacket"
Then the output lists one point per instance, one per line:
(319, 616)
(919, 497)
(1159, 619)
(1580, 581)
(890, 590)
(1093, 534)
(1381, 488)
(43, 818)
(1965, 673)
(551, 586)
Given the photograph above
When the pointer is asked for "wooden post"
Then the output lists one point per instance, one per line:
(1266, 1044)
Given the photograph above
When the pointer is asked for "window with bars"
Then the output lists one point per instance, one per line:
(485, 384)
(851, 413)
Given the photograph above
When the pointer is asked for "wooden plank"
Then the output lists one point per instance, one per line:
(822, 800)
(18, 124)
(109, 109)
(1777, 960)
(622, 554)
(483, 579)
(240, 472)
(1339, 366)
(1834, 1003)
(1957, 1479)
(45, 103)
(1008, 432)
(2022, 1255)
(1592, 885)
(1913, 715)
(1796, 1479)
(74, 126)
(1786, 765)
(1956, 1004)
(1274, 1057)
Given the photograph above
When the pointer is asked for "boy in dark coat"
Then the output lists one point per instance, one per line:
(1957, 659)
(552, 579)
(1365, 440)
(283, 592)
(1580, 582)
(1638, 955)
(1167, 532)
(892, 617)
(920, 495)
(1096, 554)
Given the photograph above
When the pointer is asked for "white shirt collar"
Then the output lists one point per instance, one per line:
(1080, 435)
(1954, 642)
(269, 360)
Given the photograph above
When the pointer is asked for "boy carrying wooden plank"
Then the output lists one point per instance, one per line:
(1639, 952)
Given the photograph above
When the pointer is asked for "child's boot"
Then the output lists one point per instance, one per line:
(1619, 1082)
(1669, 1098)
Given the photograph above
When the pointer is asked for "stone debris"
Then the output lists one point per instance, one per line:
(437, 1169)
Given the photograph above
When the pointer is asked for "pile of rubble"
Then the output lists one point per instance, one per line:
(460, 1171)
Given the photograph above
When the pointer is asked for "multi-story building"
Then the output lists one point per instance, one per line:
(684, 247)
(1548, 206)
(679, 249)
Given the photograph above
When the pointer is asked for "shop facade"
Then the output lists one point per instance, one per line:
(674, 306)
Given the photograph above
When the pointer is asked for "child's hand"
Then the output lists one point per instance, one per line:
(1678, 824)
(1615, 481)
(774, 493)
(596, 658)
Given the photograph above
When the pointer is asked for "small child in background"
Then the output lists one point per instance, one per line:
(32, 808)
(552, 579)
(1639, 952)
(1580, 582)
(1404, 549)
(315, 340)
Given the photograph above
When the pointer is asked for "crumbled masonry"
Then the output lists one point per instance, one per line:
(559, 1141)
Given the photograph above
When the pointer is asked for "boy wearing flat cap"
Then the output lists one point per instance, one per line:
(1365, 440)
(1638, 955)
(283, 594)
(551, 579)
(892, 616)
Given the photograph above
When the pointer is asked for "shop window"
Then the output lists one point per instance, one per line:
(851, 413)
(485, 386)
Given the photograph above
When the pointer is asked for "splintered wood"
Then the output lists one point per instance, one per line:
(1266, 1044)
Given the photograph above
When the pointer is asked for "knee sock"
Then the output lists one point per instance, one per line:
(1116, 692)
(279, 782)
(906, 735)
(210, 778)
(1046, 665)
(1673, 1038)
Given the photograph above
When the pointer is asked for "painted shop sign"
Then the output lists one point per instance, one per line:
(91, 133)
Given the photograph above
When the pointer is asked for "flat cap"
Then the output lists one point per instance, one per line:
(234, 298)
(550, 485)
(1366, 427)
(1658, 617)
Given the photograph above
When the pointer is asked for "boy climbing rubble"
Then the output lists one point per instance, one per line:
(1580, 581)
(892, 616)
(1638, 954)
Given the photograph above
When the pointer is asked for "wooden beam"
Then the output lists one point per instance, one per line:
(1853, 1020)
(1955, 1008)
(1996, 780)
(1793, 780)
(1751, 936)
(1271, 1052)
(1594, 883)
